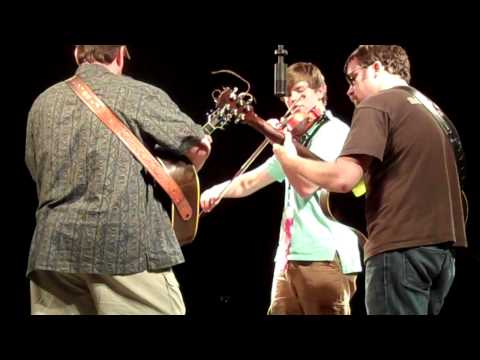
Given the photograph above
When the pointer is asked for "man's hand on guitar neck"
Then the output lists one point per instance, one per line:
(275, 123)
(288, 148)
(199, 153)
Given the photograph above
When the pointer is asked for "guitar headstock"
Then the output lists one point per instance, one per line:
(231, 107)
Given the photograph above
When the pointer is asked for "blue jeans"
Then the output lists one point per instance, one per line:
(411, 281)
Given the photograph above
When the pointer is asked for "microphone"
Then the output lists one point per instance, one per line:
(280, 73)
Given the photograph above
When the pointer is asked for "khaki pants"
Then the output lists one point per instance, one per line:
(146, 293)
(312, 288)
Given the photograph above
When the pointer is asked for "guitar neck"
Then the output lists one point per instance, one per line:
(278, 137)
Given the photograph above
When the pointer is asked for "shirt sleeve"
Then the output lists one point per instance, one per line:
(29, 145)
(329, 142)
(274, 169)
(171, 129)
(368, 134)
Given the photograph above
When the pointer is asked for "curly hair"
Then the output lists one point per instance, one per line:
(393, 57)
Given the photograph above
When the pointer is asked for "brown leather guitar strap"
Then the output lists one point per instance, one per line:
(153, 166)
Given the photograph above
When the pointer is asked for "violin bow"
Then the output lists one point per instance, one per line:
(252, 157)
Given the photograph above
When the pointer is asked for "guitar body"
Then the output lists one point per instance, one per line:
(346, 209)
(186, 177)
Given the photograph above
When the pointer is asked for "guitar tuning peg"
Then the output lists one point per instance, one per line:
(239, 118)
(233, 94)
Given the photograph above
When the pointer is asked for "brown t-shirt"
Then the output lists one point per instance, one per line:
(413, 192)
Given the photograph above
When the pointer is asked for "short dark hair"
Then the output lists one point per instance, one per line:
(393, 57)
(305, 71)
(104, 54)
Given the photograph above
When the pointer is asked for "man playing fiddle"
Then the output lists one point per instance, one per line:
(317, 259)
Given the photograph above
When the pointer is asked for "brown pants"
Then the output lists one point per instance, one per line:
(152, 293)
(312, 288)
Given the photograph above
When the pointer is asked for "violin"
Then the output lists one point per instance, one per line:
(300, 122)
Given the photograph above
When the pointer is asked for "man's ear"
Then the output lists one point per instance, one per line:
(321, 92)
(377, 66)
(75, 55)
(120, 56)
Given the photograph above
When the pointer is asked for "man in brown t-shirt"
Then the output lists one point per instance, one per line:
(413, 205)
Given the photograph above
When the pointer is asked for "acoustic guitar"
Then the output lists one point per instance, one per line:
(185, 175)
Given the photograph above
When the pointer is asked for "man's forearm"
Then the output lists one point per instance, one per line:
(303, 186)
(326, 175)
(198, 154)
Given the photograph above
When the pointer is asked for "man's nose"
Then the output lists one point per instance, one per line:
(350, 91)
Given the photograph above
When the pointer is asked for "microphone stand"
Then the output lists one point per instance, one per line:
(280, 73)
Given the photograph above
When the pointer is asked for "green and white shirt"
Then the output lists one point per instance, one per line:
(306, 234)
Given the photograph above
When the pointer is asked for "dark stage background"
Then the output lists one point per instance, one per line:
(228, 268)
